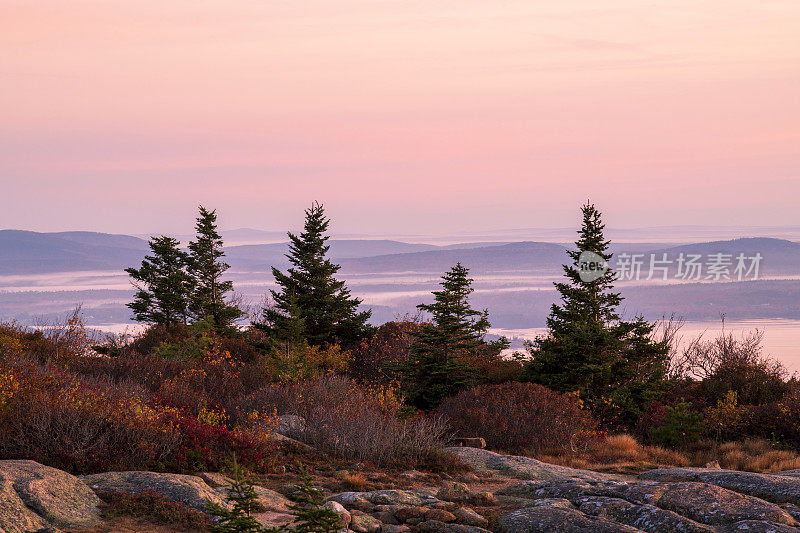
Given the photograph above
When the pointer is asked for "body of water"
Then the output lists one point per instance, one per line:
(781, 336)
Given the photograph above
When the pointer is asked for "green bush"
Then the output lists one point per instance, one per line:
(681, 425)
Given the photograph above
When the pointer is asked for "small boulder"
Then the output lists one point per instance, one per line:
(447, 506)
(404, 514)
(440, 515)
(353, 500)
(468, 517)
(397, 497)
(338, 508)
(434, 526)
(392, 528)
(453, 491)
(387, 517)
(481, 498)
(470, 442)
(364, 523)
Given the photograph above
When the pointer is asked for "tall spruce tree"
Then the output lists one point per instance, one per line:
(207, 268)
(439, 364)
(288, 330)
(589, 348)
(309, 290)
(163, 286)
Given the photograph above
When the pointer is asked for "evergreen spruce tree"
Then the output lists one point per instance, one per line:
(207, 268)
(310, 514)
(244, 504)
(439, 364)
(589, 348)
(330, 315)
(163, 285)
(288, 329)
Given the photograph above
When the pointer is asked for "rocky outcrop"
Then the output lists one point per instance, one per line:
(369, 500)
(555, 516)
(34, 497)
(519, 467)
(434, 526)
(190, 491)
(657, 507)
(779, 488)
(395, 511)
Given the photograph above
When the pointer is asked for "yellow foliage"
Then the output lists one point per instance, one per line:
(260, 425)
(9, 385)
(211, 416)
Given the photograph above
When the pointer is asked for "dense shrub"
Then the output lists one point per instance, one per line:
(57, 342)
(149, 371)
(214, 379)
(84, 424)
(154, 336)
(346, 419)
(302, 361)
(391, 343)
(55, 418)
(777, 421)
(187, 343)
(211, 447)
(679, 426)
(728, 418)
(519, 417)
(730, 363)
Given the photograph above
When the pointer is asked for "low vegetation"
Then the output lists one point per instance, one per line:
(195, 389)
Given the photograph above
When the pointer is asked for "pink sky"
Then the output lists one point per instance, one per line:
(400, 115)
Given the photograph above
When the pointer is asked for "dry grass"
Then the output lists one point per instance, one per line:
(623, 454)
(753, 455)
(354, 482)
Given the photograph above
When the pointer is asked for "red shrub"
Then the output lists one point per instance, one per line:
(206, 447)
(82, 424)
(518, 417)
(53, 417)
(153, 506)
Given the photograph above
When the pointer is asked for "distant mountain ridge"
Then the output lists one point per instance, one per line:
(32, 252)
(517, 256)
(23, 252)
